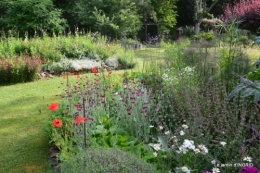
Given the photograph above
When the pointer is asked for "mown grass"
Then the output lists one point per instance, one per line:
(24, 144)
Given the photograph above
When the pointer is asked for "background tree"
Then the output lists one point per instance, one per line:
(201, 11)
(31, 15)
(111, 18)
(166, 13)
(69, 12)
(145, 10)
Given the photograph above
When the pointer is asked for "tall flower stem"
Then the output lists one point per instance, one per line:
(85, 134)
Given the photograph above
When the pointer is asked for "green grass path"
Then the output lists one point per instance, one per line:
(23, 114)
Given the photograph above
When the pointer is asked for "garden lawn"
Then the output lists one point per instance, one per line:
(24, 144)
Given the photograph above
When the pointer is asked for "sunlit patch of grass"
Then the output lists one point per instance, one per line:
(253, 53)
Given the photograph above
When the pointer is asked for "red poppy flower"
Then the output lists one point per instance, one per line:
(119, 74)
(71, 74)
(54, 106)
(110, 72)
(64, 77)
(94, 69)
(107, 76)
(57, 123)
(80, 119)
(78, 76)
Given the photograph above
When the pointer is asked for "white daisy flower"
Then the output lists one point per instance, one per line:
(183, 149)
(184, 126)
(155, 154)
(204, 149)
(160, 127)
(213, 162)
(196, 150)
(185, 169)
(248, 159)
(215, 170)
(201, 146)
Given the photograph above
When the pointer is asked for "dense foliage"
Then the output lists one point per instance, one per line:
(32, 15)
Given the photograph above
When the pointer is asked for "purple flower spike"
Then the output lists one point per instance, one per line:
(249, 169)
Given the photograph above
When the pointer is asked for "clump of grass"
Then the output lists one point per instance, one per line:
(106, 160)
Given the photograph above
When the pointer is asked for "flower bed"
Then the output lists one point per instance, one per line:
(149, 122)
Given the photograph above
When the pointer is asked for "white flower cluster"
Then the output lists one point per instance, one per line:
(167, 76)
(189, 145)
(187, 72)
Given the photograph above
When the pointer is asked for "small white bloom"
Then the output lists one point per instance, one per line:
(182, 133)
(125, 86)
(116, 93)
(183, 149)
(196, 150)
(201, 146)
(151, 126)
(223, 143)
(204, 149)
(156, 147)
(185, 169)
(213, 162)
(167, 132)
(155, 154)
(215, 170)
(184, 126)
(248, 159)
(160, 127)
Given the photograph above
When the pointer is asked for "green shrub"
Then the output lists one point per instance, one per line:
(204, 35)
(61, 66)
(106, 160)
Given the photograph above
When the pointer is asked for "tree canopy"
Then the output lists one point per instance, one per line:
(115, 18)
(32, 15)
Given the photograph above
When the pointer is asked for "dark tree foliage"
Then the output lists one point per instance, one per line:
(69, 12)
(32, 15)
(186, 10)
(217, 10)
(113, 18)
